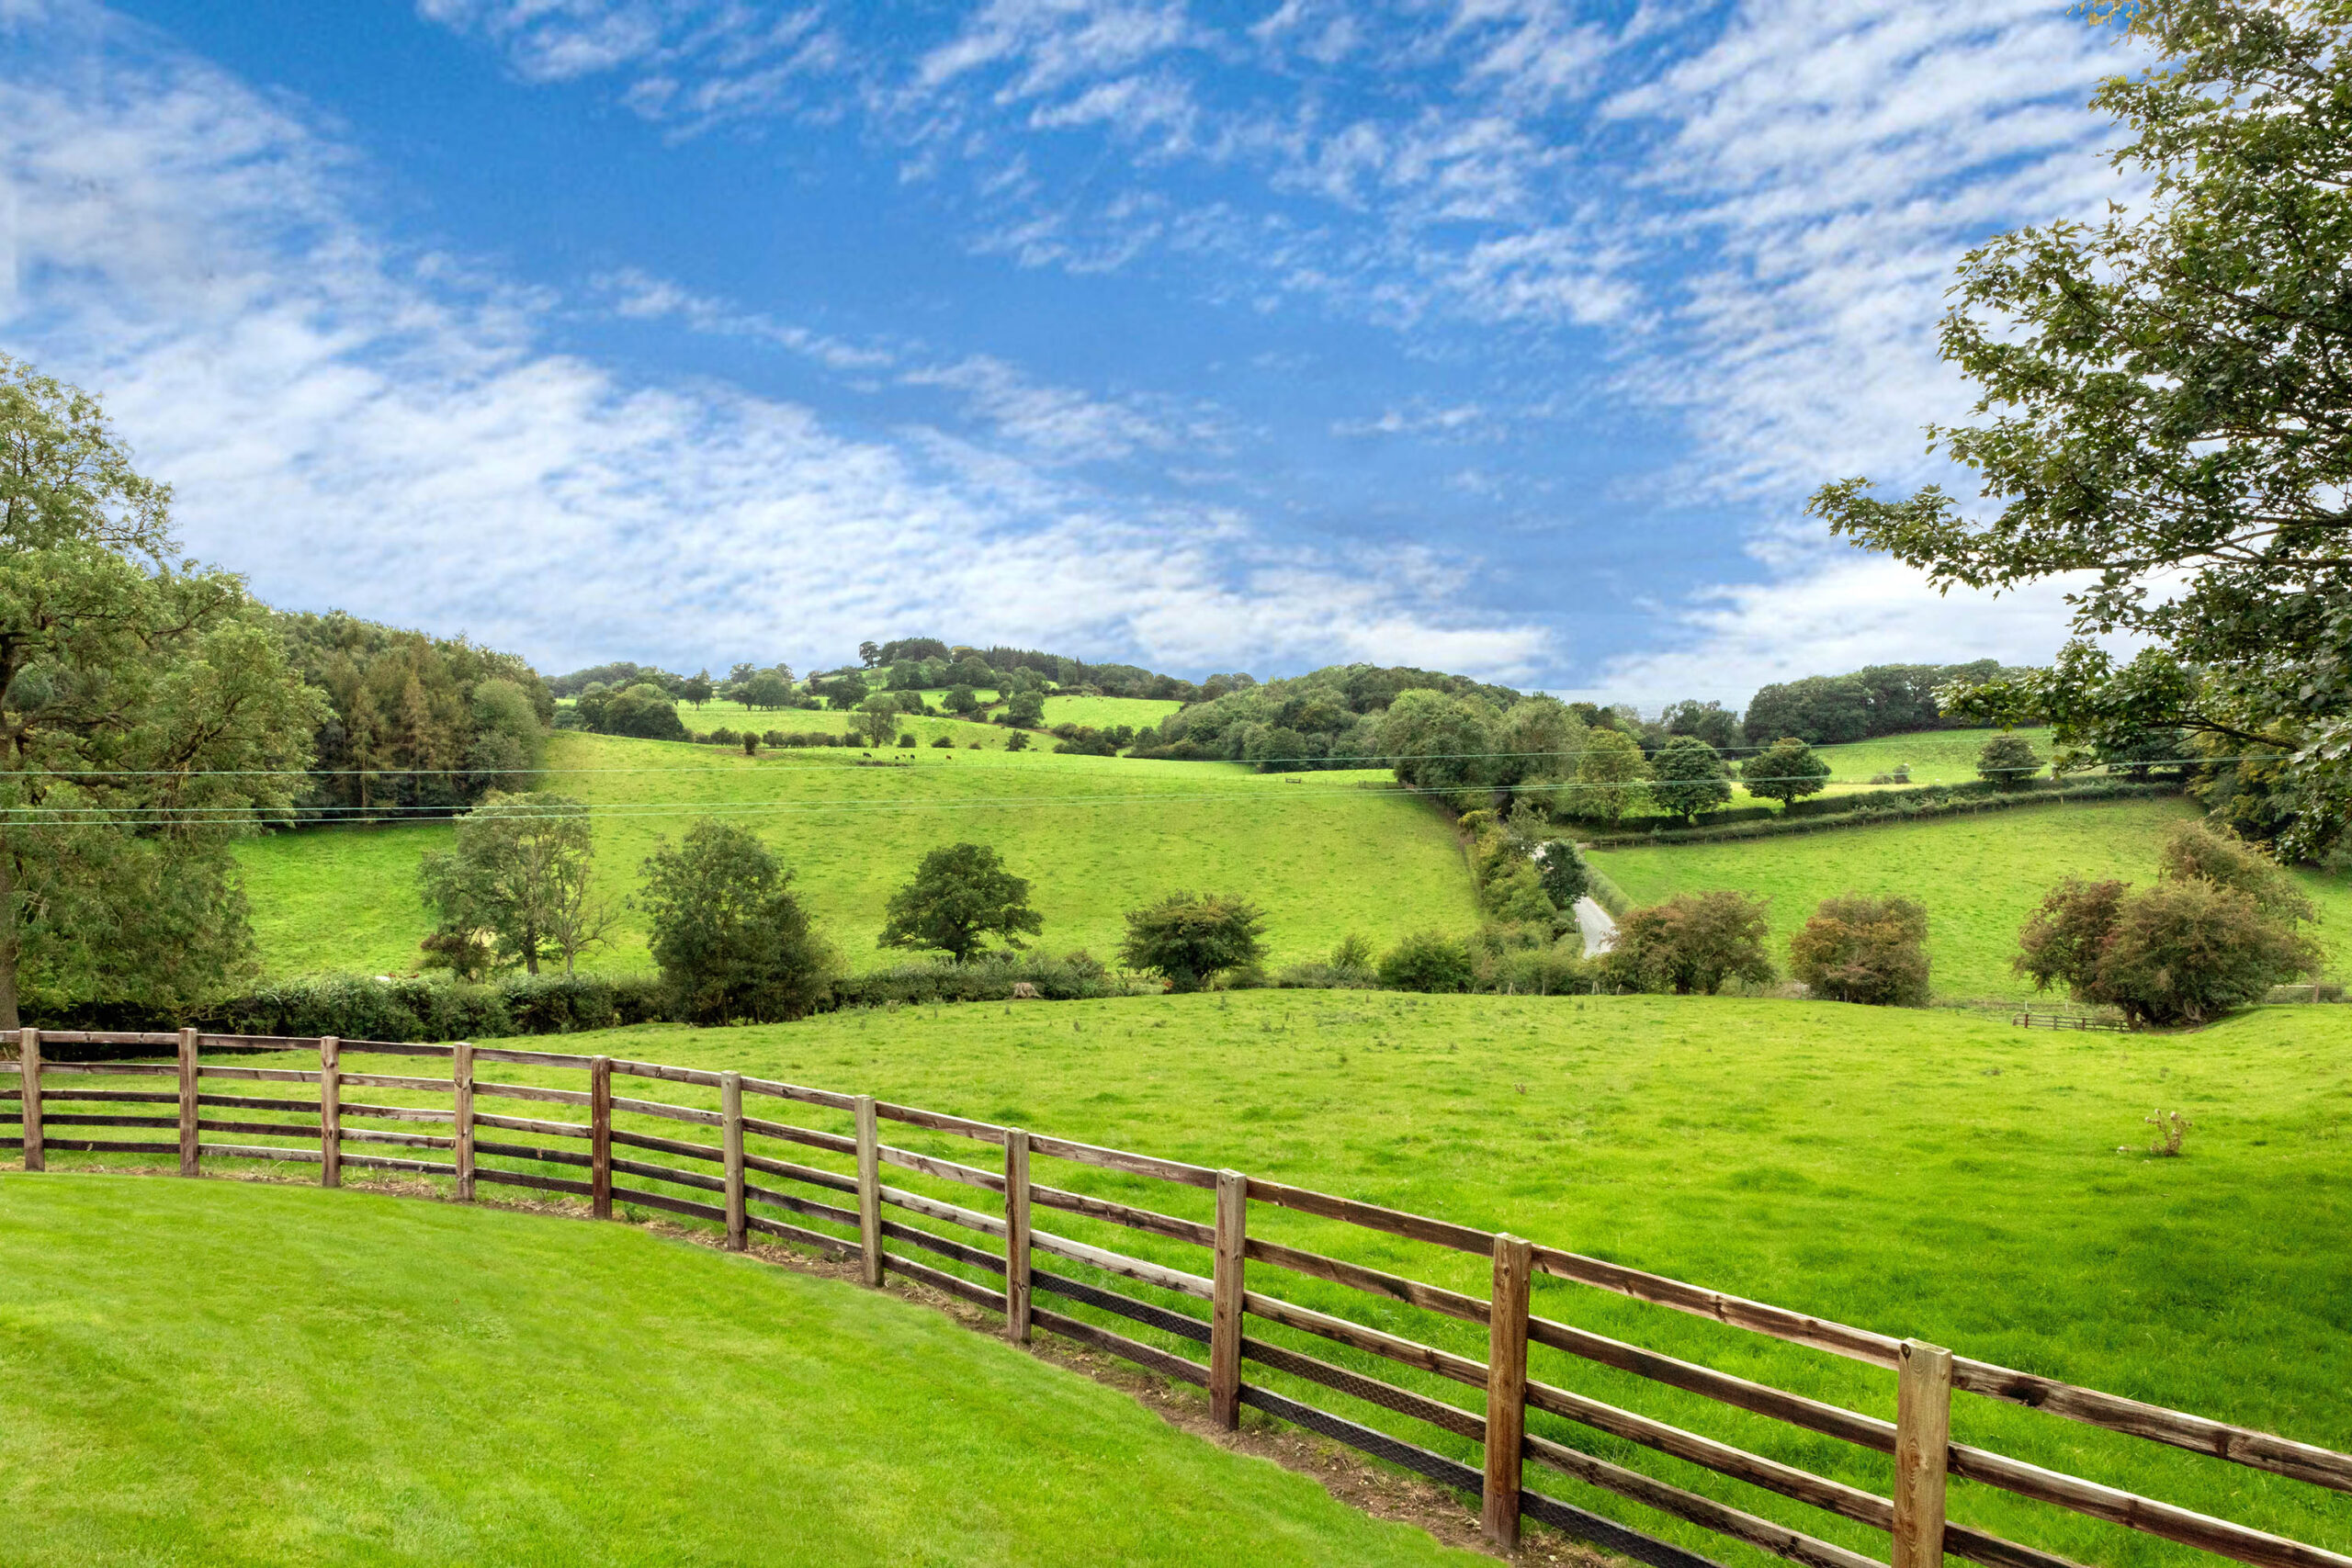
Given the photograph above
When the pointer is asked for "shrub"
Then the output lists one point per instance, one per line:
(2195, 850)
(722, 736)
(942, 742)
(989, 976)
(732, 940)
(1691, 944)
(1317, 975)
(1864, 950)
(751, 744)
(778, 738)
(907, 740)
(1191, 938)
(2007, 762)
(1785, 770)
(2185, 950)
(1017, 742)
(1354, 951)
(959, 896)
(1555, 969)
(1428, 961)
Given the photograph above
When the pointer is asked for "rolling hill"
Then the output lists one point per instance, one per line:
(1325, 853)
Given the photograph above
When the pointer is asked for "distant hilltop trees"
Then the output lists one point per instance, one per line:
(1324, 717)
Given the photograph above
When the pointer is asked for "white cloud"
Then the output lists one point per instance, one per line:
(387, 433)
(1845, 612)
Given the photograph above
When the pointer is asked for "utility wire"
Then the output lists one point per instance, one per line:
(627, 810)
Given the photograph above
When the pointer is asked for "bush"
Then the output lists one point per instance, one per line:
(1192, 938)
(989, 978)
(403, 1007)
(942, 742)
(1428, 961)
(2007, 762)
(732, 940)
(1691, 944)
(1864, 950)
(1524, 959)
(1017, 742)
(907, 740)
(2185, 950)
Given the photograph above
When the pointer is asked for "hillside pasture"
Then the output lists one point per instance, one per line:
(1934, 756)
(235, 1373)
(1978, 875)
(1927, 1173)
(1106, 713)
(925, 728)
(1323, 853)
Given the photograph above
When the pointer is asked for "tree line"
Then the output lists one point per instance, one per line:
(152, 710)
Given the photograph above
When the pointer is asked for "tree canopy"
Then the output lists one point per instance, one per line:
(2166, 405)
(149, 713)
(730, 938)
(1191, 938)
(519, 873)
(960, 896)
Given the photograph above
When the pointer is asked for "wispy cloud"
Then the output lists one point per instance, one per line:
(386, 430)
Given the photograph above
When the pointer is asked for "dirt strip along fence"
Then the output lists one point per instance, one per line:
(751, 1172)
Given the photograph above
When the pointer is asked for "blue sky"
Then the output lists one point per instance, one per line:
(1496, 335)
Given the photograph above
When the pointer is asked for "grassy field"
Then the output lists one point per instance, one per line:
(715, 714)
(1096, 836)
(1103, 713)
(1979, 877)
(1934, 756)
(1923, 1173)
(209, 1373)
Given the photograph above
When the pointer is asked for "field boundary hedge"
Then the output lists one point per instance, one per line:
(418, 1008)
(1922, 806)
(1201, 1324)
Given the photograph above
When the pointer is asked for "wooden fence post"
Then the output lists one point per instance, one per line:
(330, 1111)
(600, 1137)
(461, 1100)
(1922, 1448)
(1016, 1235)
(1506, 1391)
(187, 1102)
(29, 1048)
(730, 1111)
(869, 1191)
(1227, 1299)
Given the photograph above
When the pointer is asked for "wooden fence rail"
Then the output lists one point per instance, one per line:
(1006, 1248)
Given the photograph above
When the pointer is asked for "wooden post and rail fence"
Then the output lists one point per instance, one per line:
(1216, 1323)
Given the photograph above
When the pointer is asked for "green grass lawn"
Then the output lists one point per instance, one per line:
(1096, 836)
(1926, 1173)
(233, 1373)
(1979, 877)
